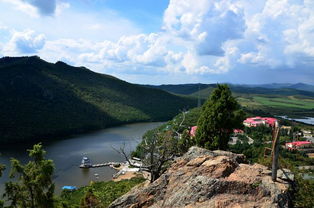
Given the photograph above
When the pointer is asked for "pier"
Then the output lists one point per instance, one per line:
(101, 165)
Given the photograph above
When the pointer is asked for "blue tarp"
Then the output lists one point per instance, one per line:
(69, 188)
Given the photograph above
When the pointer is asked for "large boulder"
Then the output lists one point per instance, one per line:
(203, 178)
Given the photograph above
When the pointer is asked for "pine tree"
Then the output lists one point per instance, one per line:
(220, 114)
(33, 186)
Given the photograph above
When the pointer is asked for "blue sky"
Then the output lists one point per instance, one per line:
(167, 41)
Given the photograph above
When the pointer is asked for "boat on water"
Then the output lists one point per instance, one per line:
(86, 163)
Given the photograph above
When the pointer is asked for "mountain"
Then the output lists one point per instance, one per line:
(205, 89)
(183, 89)
(41, 100)
(302, 86)
(273, 99)
(297, 86)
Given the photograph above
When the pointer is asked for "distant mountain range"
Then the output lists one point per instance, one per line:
(297, 86)
(294, 100)
(267, 89)
(41, 100)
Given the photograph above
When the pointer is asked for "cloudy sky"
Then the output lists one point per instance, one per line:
(167, 41)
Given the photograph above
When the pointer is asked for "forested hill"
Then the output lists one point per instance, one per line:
(41, 100)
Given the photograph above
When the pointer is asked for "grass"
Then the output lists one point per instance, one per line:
(106, 192)
(285, 102)
(291, 106)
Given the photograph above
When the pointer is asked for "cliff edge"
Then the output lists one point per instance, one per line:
(203, 178)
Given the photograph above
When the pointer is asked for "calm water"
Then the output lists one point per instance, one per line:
(307, 120)
(67, 154)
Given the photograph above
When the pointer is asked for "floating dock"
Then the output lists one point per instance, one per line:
(102, 165)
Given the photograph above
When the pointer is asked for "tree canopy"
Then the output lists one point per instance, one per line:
(32, 186)
(220, 114)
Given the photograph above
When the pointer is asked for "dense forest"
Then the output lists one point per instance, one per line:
(41, 100)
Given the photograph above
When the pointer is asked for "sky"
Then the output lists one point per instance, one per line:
(167, 41)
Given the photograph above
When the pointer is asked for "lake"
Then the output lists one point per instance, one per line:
(306, 120)
(67, 154)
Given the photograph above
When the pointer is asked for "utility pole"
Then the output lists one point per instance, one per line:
(275, 151)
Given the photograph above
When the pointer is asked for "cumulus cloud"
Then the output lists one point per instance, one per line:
(25, 42)
(263, 33)
(207, 23)
(197, 37)
(217, 36)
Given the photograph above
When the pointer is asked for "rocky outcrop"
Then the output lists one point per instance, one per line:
(203, 178)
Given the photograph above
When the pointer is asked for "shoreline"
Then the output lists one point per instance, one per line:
(127, 172)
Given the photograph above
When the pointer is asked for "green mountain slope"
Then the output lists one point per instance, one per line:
(42, 100)
(183, 89)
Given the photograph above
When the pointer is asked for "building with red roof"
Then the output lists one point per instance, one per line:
(238, 131)
(258, 121)
(193, 131)
(298, 145)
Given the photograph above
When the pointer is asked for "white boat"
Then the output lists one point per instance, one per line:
(86, 163)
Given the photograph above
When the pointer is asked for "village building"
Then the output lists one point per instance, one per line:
(298, 145)
(193, 131)
(238, 131)
(306, 133)
(288, 128)
(259, 121)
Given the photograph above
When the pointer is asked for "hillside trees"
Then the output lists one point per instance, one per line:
(32, 186)
(46, 100)
(220, 114)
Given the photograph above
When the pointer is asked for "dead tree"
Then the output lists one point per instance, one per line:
(158, 147)
(158, 150)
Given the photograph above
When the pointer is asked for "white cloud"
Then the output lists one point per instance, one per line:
(25, 42)
(23, 6)
(197, 37)
(207, 23)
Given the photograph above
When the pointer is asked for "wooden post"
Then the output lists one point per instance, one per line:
(275, 152)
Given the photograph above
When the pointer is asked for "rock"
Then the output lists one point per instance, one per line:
(203, 178)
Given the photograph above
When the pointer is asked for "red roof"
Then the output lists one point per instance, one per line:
(238, 131)
(299, 143)
(193, 131)
(260, 120)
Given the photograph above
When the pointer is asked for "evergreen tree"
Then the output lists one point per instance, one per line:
(33, 186)
(220, 114)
